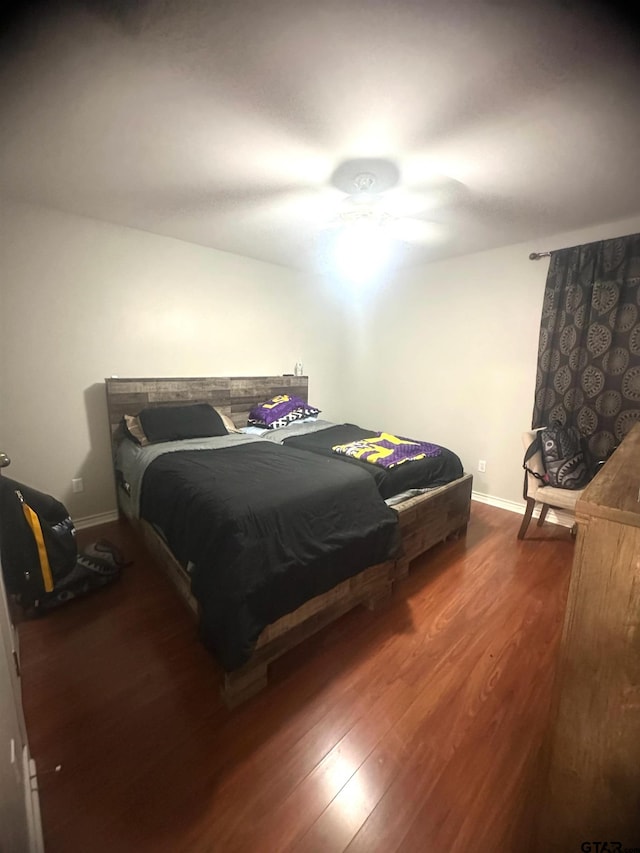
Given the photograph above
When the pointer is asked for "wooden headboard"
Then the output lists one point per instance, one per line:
(235, 396)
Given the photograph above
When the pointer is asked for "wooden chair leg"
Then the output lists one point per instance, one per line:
(527, 517)
(543, 514)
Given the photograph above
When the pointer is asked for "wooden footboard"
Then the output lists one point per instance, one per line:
(424, 521)
(433, 517)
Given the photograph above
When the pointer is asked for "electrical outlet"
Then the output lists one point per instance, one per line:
(482, 465)
(77, 484)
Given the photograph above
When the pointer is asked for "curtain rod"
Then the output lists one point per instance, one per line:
(535, 256)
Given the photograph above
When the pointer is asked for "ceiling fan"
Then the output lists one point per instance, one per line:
(373, 196)
(377, 218)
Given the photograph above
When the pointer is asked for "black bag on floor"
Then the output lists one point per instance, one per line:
(40, 561)
(96, 565)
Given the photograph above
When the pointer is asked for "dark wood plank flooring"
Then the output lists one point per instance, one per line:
(413, 728)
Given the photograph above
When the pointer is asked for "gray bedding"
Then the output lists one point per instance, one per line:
(132, 460)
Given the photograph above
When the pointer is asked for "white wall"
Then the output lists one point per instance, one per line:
(82, 300)
(447, 353)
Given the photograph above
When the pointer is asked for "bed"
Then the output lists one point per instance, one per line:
(351, 573)
(395, 483)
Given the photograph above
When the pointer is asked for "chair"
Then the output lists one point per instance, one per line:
(535, 492)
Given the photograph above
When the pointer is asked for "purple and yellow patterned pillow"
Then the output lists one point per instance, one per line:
(280, 411)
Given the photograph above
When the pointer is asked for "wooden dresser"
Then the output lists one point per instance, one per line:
(592, 778)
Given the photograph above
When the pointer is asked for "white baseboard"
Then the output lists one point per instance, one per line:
(554, 516)
(94, 520)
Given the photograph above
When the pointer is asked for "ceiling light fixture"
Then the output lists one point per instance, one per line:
(362, 251)
(371, 225)
(365, 205)
(364, 183)
(363, 247)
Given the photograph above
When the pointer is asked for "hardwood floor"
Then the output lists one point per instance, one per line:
(413, 728)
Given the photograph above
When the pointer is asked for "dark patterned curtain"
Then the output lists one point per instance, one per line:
(589, 353)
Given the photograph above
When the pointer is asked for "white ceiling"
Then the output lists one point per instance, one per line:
(221, 123)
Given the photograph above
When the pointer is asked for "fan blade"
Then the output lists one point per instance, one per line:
(307, 207)
(402, 203)
(432, 181)
(411, 230)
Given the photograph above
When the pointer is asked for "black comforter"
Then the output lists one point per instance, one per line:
(417, 474)
(267, 528)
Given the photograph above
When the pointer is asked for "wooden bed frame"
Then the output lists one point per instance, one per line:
(424, 520)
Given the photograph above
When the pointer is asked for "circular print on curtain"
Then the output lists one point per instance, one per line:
(562, 379)
(605, 296)
(561, 321)
(568, 339)
(579, 319)
(558, 415)
(623, 319)
(544, 340)
(573, 399)
(601, 444)
(592, 380)
(609, 404)
(587, 420)
(573, 299)
(612, 254)
(631, 384)
(634, 339)
(549, 302)
(625, 421)
(615, 361)
(598, 339)
(545, 398)
(550, 360)
(578, 359)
